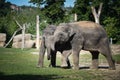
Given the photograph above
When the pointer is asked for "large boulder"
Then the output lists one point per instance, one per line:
(2, 39)
(18, 38)
(17, 41)
(28, 44)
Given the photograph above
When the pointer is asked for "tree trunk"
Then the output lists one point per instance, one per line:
(37, 33)
(75, 17)
(23, 37)
(95, 14)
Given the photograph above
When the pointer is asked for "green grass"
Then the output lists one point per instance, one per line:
(117, 58)
(17, 64)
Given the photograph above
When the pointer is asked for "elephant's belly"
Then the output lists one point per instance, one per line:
(90, 48)
(91, 45)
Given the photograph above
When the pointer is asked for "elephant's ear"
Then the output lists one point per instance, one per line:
(70, 30)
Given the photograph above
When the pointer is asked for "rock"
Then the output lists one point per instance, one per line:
(28, 44)
(17, 41)
(18, 38)
(2, 39)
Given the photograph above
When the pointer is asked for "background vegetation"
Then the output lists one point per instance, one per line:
(55, 12)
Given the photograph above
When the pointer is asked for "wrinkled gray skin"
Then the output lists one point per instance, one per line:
(84, 35)
(51, 54)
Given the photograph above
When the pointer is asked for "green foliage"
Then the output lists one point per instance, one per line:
(4, 11)
(82, 8)
(109, 16)
(53, 10)
(117, 58)
(37, 2)
(110, 27)
(4, 8)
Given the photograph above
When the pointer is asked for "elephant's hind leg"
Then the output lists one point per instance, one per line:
(95, 56)
(107, 53)
(65, 60)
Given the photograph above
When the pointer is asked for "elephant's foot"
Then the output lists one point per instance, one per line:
(75, 67)
(94, 64)
(94, 67)
(64, 65)
(39, 66)
(50, 65)
(112, 68)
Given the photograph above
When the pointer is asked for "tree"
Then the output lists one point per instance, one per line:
(97, 14)
(38, 3)
(82, 9)
(53, 9)
(4, 11)
(4, 8)
(109, 17)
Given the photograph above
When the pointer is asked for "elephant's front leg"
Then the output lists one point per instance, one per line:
(64, 58)
(53, 59)
(75, 60)
(75, 53)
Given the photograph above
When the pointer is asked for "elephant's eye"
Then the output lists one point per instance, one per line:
(60, 35)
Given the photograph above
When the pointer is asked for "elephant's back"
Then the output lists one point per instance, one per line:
(90, 27)
(86, 24)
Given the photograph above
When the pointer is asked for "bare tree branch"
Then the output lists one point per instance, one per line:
(18, 24)
(100, 9)
(12, 37)
(95, 14)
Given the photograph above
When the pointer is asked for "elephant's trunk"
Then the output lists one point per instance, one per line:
(48, 53)
(52, 44)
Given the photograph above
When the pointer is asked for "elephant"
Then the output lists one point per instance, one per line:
(83, 35)
(51, 54)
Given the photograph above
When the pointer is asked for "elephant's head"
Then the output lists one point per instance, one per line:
(46, 40)
(61, 35)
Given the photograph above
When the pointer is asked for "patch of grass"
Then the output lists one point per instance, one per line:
(117, 58)
(17, 64)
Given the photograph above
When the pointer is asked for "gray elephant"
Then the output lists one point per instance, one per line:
(84, 35)
(51, 54)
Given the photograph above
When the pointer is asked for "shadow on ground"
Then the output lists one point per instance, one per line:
(39, 77)
(100, 67)
(28, 77)
(83, 67)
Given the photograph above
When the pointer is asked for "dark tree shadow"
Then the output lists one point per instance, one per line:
(28, 77)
